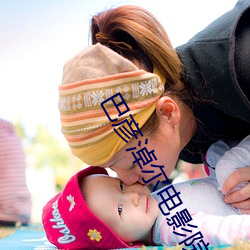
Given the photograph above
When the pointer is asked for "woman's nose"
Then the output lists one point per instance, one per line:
(127, 177)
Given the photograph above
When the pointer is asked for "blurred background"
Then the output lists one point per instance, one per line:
(37, 38)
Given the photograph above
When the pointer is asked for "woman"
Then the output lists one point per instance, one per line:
(206, 96)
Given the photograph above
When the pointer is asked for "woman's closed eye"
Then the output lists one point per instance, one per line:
(121, 186)
(133, 166)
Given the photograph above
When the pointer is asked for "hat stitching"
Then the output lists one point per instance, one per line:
(84, 129)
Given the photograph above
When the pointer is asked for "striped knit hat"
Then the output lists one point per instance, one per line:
(91, 77)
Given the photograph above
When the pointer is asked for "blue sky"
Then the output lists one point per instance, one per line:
(38, 37)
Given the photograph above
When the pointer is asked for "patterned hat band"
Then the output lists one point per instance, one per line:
(84, 122)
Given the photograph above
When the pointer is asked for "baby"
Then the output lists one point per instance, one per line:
(96, 211)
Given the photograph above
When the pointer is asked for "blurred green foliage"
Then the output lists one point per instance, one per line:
(45, 150)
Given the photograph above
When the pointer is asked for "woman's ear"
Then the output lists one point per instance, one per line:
(168, 109)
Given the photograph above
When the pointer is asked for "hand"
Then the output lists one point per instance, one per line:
(240, 198)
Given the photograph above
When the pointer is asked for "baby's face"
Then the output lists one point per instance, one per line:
(129, 211)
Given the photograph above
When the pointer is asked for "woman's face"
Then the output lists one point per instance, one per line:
(157, 154)
(161, 150)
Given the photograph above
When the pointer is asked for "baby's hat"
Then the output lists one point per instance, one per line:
(69, 223)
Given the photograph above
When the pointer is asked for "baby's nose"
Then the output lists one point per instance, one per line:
(133, 197)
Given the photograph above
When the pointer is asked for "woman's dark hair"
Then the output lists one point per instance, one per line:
(137, 35)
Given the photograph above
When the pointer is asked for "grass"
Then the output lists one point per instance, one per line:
(6, 231)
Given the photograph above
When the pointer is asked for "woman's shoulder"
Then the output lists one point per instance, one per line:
(209, 65)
